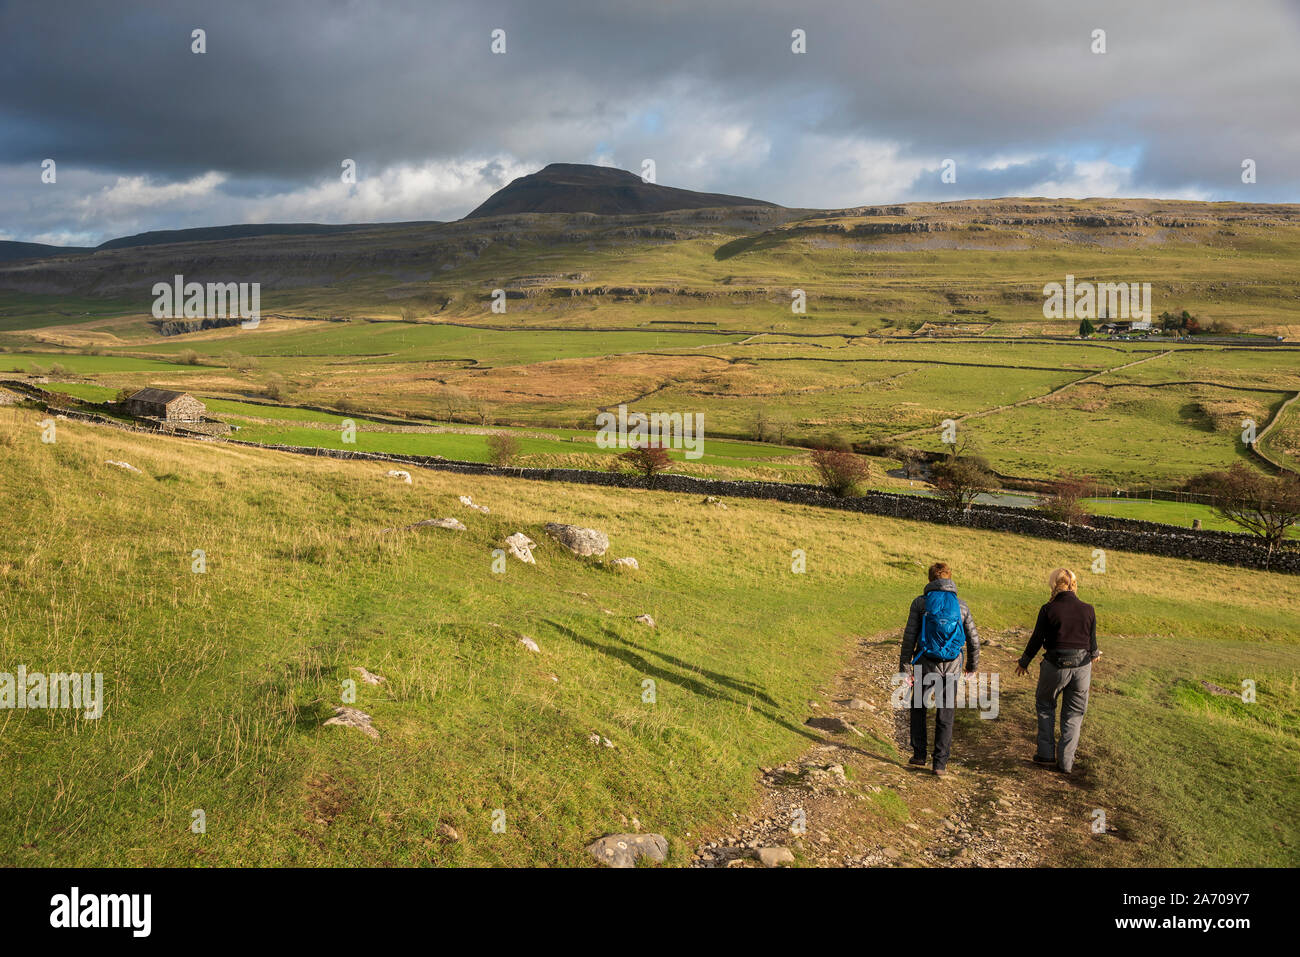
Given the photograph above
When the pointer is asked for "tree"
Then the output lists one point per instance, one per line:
(647, 460)
(452, 401)
(781, 424)
(1266, 506)
(959, 479)
(1064, 502)
(277, 388)
(909, 458)
(1086, 328)
(503, 448)
(841, 472)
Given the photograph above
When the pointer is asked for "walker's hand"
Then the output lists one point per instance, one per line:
(1021, 670)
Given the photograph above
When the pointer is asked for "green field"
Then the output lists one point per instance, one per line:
(22, 363)
(424, 342)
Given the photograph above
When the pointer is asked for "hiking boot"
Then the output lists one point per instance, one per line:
(1048, 761)
(917, 759)
(940, 772)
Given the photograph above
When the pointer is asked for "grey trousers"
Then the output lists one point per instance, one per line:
(1071, 686)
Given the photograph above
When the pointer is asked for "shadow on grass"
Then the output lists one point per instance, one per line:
(631, 655)
(748, 244)
(635, 655)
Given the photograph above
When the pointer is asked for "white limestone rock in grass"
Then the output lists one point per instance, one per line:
(521, 547)
(856, 704)
(125, 466)
(353, 718)
(581, 541)
(452, 523)
(774, 856)
(400, 474)
(623, 850)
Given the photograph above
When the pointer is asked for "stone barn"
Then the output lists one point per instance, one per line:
(166, 406)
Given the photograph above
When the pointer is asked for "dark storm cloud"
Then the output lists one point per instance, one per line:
(711, 90)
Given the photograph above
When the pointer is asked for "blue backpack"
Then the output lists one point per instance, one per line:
(942, 635)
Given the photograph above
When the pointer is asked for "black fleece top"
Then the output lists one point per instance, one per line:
(1064, 624)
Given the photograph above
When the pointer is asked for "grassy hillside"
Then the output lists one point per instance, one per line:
(915, 314)
(889, 268)
(217, 684)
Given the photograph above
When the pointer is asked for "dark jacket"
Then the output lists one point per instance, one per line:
(1066, 631)
(912, 634)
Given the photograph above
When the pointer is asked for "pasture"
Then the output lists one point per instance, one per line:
(217, 683)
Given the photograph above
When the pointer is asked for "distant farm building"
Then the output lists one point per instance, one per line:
(1123, 328)
(172, 412)
(165, 405)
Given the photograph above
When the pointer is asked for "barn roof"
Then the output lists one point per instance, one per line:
(161, 396)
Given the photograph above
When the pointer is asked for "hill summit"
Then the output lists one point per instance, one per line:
(578, 188)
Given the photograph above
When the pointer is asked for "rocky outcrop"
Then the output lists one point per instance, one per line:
(353, 718)
(580, 541)
(521, 547)
(452, 523)
(623, 850)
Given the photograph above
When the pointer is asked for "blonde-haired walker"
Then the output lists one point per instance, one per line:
(1066, 631)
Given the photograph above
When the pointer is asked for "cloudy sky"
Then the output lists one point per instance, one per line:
(147, 134)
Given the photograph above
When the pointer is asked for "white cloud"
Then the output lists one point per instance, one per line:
(130, 194)
(438, 189)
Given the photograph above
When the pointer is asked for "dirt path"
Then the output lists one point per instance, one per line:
(852, 801)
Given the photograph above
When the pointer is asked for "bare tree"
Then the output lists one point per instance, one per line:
(1266, 506)
(1064, 502)
(452, 400)
(961, 478)
(780, 425)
